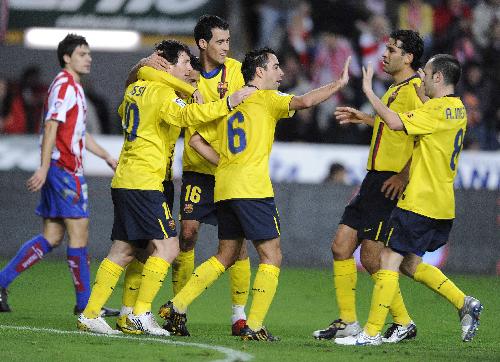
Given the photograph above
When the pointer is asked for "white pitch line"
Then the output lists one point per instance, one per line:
(231, 354)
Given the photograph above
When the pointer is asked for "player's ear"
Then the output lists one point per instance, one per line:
(202, 44)
(66, 58)
(409, 58)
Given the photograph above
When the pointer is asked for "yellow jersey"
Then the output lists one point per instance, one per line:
(390, 150)
(221, 82)
(246, 137)
(148, 111)
(440, 125)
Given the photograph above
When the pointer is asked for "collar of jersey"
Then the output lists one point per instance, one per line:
(406, 80)
(212, 73)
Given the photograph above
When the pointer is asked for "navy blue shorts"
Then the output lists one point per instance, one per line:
(413, 233)
(197, 198)
(251, 219)
(140, 216)
(168, 193)
(64, 195)
(369, 211)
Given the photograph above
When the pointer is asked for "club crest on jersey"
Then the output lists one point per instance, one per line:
(222, 88)
(180, 102)
(188, 208)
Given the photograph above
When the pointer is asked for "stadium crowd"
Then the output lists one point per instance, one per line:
(313, 43)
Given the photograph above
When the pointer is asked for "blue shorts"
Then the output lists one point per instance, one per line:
(64, 195)
(197, 198)
(369, 211)
(251, 219)
(168, 193)
(141, 216)
(413, 233)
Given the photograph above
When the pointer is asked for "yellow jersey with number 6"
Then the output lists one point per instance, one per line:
(440, 125)
(246, 136)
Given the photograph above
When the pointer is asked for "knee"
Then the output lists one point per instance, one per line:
(188, 238)
(340, 252)
(407, 268)
(370, 264)
(227, 258)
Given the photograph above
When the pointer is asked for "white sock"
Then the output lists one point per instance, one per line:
(126, 310)
(238, 313)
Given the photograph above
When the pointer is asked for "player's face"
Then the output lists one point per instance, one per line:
(218, 46)
(80, 60)
(428, 80)
(272, 73)
(194, 78)
(393, 57)
(182, 69)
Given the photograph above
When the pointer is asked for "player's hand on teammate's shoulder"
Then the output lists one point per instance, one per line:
(367, 77)
(198, 98)
(36, 182)
(240, 95)
(394, 186)
(155, 61)
(344, 78)
(420, 88)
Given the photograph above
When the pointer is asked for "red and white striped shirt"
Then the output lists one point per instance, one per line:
(66, 104)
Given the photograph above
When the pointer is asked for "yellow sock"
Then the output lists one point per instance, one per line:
(383, 294)
(105, 280)
(240, 281)
(264, 288)
(132, 283)
(345, 276)
(433, 278)
(153, 275)
(203, 277)
(397, 309)
(182, 269)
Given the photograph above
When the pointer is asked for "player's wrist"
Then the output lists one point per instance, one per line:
(228, 103)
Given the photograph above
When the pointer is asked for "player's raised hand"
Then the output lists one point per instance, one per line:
(240, 95)
(367, 77)
(347, 115)
(421, 89)
(344, 78)
(155, 61)
(36, 182)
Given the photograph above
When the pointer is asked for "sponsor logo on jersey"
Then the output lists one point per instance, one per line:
(180, 102)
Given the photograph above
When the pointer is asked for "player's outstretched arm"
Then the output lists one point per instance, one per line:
(347, 115)
(206, 151)
(390, 117)
(321, 94)
(96, 149)
(36, 181)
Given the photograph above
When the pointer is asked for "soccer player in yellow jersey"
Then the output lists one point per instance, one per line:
(424, 214)
(365, 218)
(243, 191)
(142, 217)
(220, 77)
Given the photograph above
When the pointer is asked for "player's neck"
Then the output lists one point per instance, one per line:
(76, 76)
(444, 91)
(403, 75)
(207, 63)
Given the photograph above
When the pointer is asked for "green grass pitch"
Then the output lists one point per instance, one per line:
(42, 301)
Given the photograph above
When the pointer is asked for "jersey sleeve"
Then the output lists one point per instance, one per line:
(176, 112)
(420, 121)
(148, 73)
(208, 131)
(61, 99)
(279, 105)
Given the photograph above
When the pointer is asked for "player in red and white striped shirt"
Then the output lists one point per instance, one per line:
(63, 204)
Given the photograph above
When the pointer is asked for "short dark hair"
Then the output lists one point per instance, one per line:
(196, 64)
(204, 26)
(449, 66)
(68, 45)
(171, 49)
(411, 43)
(254, 59)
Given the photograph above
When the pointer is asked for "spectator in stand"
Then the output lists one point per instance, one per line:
(416, 15)
(24, 103)
(332, 50)
(299, 31)
(337, 174)
(372, 44)
(485, 14)
(451, 19)
(274, 15)
(3, 94)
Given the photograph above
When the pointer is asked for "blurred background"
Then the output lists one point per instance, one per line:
(313, 38)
